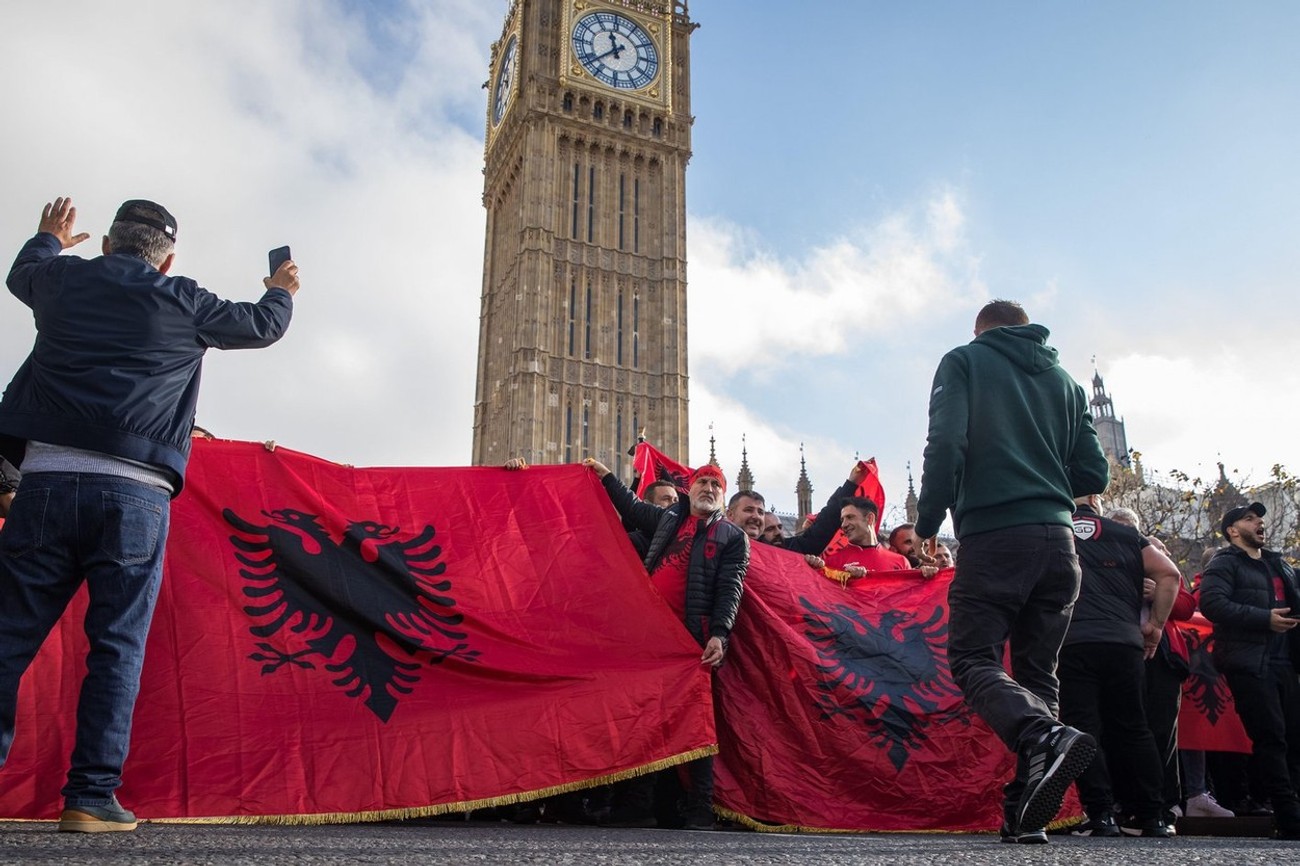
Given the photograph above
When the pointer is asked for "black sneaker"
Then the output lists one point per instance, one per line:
(1149, 828)
(1048, 767)
(97, 819)
(1033, 837)
(1103, 825)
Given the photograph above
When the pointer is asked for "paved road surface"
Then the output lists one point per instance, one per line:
(475, 843)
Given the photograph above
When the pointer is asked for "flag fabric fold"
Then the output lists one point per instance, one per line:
(1207, 718)
(649, 465)
(334, 643)
(870, 488)
(837, 710)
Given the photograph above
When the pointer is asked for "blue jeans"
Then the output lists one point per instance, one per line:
(63, 529)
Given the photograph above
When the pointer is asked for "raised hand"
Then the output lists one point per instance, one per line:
(58, 218)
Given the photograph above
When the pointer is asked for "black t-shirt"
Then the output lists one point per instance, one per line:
(1109, 608)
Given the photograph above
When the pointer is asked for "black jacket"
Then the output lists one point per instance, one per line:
(715, 576)
(815, 538)
(115, 367)
(1237, 595)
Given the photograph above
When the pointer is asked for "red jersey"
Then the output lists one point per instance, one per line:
(670, 577)
(878, 558)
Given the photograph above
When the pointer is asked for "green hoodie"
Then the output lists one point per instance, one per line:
(1011, 441)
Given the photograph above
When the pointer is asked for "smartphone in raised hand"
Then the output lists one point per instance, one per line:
(277, 257)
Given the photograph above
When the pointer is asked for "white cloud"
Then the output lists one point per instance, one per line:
(868, 283)
(862, 320)
(1231, 403)
(262, 124)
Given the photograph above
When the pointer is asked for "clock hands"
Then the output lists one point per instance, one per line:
(616, 50)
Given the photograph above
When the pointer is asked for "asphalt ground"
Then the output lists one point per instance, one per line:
(473, 843)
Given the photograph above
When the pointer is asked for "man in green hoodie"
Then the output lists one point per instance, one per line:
(1010, 446)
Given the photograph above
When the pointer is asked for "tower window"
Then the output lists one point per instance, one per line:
(618, 443)
(618, 332)
(591, 203)
(636, 324)
(568, 102)
(658, 127)
(598, 111)
(586, 337)
(622, 200)
(568, 433)
(636, 215)
(586, 429)
(573, 312)
(573, 233)
(627, 119)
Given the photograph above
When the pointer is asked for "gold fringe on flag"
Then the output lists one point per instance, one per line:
(445, 808)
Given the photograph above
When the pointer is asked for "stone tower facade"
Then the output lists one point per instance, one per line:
(1110, 430)
(582, 331)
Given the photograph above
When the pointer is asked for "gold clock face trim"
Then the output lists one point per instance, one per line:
(615, 50)
(504, 88)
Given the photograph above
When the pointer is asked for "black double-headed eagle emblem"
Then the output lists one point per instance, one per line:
(891, 675)
(371, 608)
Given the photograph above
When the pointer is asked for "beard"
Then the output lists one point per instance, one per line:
(1253, 541)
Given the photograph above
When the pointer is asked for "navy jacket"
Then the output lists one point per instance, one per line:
(715, 575)
(119, 346)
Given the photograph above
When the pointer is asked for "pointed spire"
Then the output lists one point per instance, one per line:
(744, 478)
(803, 488)
(713, 451)
(911, 503)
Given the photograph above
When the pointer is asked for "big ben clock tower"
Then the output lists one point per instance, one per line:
(582, 332)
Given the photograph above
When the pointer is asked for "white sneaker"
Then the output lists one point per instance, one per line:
(1205, 806)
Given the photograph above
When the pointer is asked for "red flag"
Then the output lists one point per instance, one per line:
(837, 709)
(1207, 718)
(869, 488)
(651, 465)
(354, 644)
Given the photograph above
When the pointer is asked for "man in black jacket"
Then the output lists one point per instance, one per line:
(1101, 671)
(697, 561)
(98, 420)
(1250, 594)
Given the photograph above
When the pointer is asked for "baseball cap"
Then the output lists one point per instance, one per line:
(147, 213)
(1235, 514)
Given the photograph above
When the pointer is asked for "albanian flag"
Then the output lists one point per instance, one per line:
(336, 644)
(1207, 718)
(837, 710)
(650, 464)
(869, 488)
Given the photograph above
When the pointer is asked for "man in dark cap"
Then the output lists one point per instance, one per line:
(1249, 593)
(98, 420)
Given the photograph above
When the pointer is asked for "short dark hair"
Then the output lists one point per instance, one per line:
(746, 494)
(902, 527)
(861, 503)
(655, 485)
(1000, 314)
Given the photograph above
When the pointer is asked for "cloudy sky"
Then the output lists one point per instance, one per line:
(865, 176)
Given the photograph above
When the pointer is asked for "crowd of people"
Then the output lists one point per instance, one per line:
(95, 434)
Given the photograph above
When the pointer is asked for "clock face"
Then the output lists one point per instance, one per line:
(615, 50)
(505, 77)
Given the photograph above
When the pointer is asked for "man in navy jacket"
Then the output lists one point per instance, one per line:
(98, 420)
